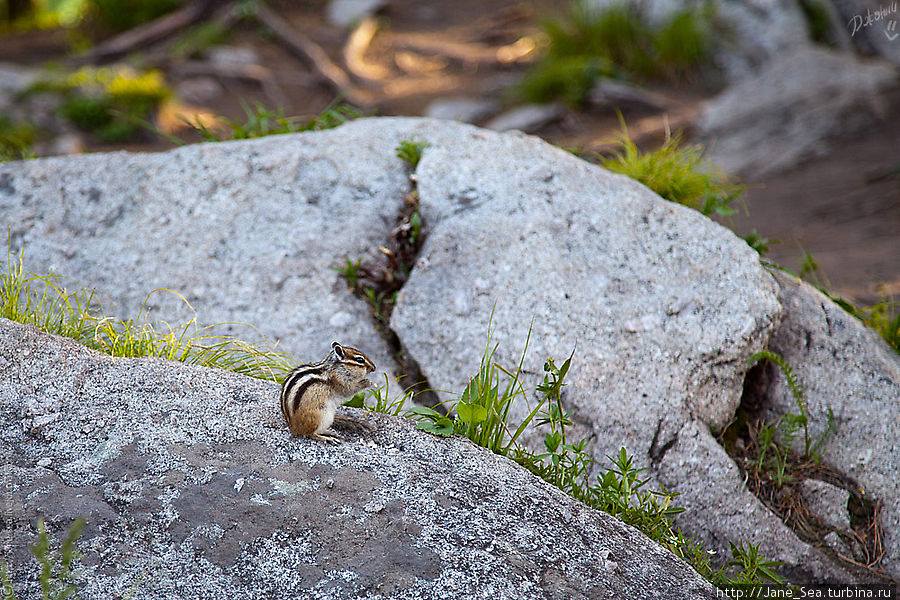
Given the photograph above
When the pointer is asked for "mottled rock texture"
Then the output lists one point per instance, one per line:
(662, 306)
(193, 488)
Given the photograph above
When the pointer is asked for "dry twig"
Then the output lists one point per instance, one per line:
(313, 53)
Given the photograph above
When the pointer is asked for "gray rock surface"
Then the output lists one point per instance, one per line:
(827, 501)
(246, 232)
(786, 113)
(462, 109)
(609, 93)
(193, 488)
(345, 13)
(845, 366)
(14, 79)
(527, 118)
(663, 307)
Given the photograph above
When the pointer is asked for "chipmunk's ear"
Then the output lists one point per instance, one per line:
(338, 350)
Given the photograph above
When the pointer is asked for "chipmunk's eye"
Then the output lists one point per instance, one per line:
(360, 360)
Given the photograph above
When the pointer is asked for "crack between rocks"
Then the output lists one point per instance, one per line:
(756, 399)
(378, 286)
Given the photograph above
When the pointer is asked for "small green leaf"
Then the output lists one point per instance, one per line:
(551, 441)
(357, 401)
(435, 429)
(425, 411)
(471, 413)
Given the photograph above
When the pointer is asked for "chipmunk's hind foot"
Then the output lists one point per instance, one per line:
(332, 438)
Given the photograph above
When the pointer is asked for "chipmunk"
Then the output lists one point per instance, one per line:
(311, 393)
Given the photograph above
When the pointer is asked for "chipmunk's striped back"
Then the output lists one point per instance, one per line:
(296, 384)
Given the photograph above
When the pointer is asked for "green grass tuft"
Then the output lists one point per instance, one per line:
(677, 173)
(411, 151)
(615, 41)
(109, 102)
(759, 243)
(261, 121)
(37, 300)
(569, 78)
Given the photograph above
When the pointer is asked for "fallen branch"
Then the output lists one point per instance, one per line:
(147, 33)
(313, 53)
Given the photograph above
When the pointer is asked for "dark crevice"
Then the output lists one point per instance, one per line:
(860, 550)
(657, 451)
(378, 283)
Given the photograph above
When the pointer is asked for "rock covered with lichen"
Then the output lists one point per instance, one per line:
(192, 488)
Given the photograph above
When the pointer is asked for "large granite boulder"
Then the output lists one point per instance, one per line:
(787, 112)
(193, 489)
(247, 232)
(663, 306)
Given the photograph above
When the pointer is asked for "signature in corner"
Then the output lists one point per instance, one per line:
(873, 16)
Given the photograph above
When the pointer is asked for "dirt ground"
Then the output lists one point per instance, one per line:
(842, 206)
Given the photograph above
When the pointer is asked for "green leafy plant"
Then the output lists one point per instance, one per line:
(411, 151)
(415, 228)
(377, 300)
(615, 41)
(482, 410)
(16, 139)
(675, 172)
(108, 101)
(759, 243)
(793, 421)
(753, 567)
(775, 439)
(569, 78)
(350, 271)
